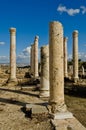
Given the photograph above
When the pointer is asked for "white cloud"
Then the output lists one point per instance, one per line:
(81, 55)
(69, 56)
(83, 9)
(26, 51)
(4, 59)
(2, 43)
(61, 8)
(24, 56)
(70, 12)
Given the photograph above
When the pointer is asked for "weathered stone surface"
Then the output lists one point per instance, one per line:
(65, 57)
(44, 88)
(56, 68)
(32, 58)
(12, 77)
(37, 108)
(36, 56)
(62, 115)
(75, 55)
(67, 124)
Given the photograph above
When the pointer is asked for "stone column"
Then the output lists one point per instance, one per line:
(65, 57)
(44, 88)
(71, 70)
(12, 54)
(36, 57)
(57, 103)
(83, 71)
(32, 58)
(56, 67)
(75, 55)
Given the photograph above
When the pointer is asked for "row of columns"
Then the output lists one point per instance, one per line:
(52, 61)
(54, 53)
(34, 56)
(52, 74)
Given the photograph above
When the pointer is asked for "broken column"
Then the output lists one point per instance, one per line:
(75, 56)
(12, 55)
(57, 103)
(44, 88)
(36, 56)
(65, 57)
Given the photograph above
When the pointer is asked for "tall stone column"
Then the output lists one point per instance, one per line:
(32, 58)
(36, 56)
(75, 55)
(57, 103)
(12, 54)
(65, 57)
(44, 88)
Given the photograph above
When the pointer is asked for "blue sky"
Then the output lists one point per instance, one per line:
(32, 17)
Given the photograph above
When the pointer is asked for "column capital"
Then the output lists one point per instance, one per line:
(12, 31)
(75, 33)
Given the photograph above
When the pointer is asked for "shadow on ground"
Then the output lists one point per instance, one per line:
(19, 92)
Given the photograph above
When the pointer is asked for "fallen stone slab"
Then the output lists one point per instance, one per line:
(37, 108)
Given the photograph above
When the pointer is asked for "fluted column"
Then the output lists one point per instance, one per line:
(36, 56)
(75, 55)
(65, 57)
(44, 88)
(12, 54)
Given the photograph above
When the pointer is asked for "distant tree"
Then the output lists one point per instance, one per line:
(70, 62)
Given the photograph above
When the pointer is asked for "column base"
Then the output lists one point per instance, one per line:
(76, 80)
(44, 94)
(14, 80)
(65, 75)
(61, 115)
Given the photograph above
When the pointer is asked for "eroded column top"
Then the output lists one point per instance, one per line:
(56, 22)
(75, 33)
(12, 30)
(45, 46)
(36, 37)
(65, 39)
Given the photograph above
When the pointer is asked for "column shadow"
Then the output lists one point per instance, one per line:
(19, 92)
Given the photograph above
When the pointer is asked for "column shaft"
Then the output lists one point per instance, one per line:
(65, 57)
(36, 57)
(56, 67)
(32, 58)
(44, 89)
(75, 55)
(12, 54)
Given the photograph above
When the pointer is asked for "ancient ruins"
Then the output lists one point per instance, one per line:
(48, 88)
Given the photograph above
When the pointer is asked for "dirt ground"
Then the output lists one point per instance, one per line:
(13, 99)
